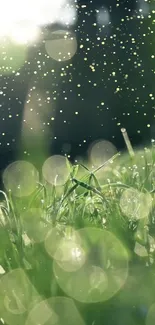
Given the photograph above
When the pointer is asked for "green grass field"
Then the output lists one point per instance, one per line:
(80, 249)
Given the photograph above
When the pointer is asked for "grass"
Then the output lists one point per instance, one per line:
(117, 197)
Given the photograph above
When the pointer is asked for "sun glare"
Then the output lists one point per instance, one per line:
(21, 20)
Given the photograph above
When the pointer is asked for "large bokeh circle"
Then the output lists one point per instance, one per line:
(55, 170)
(55, 311)
(21, 178)
(102, 274)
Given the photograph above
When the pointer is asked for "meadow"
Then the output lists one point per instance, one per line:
(78, 243)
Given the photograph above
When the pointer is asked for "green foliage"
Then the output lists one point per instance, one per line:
(92, 200)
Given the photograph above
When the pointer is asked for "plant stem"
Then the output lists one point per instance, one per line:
(127, 142)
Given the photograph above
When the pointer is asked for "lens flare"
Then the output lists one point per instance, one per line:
(70, 256)
(100, 151)
(55, 170)
(17, 297)
(104, 271)
(64, 245)
(34, 225)
(55, 311)
(25, 33)
(103, 16)
(21, 22)
(20, 178)
(62, 46)
(68, 15)
(39, 12)
(135, 205)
